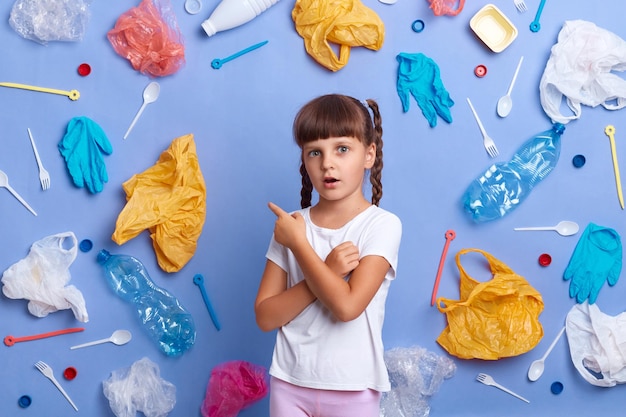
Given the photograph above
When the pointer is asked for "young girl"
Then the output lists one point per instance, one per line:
(328, 269)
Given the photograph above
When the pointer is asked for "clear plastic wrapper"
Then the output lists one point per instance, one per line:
(139, 388)
(415, 374)
(50, 20)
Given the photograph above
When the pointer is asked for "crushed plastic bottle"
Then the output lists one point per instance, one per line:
(504, 186)
(167, 321)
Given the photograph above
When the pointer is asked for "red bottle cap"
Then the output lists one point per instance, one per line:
(70, 373)
(480, 71)
(84, 70)
(545, 259)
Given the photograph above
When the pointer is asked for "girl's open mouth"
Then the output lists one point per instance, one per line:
(330, 182)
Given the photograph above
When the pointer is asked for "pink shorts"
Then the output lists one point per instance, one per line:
(288, 400)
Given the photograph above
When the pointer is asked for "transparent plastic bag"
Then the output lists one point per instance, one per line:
(415, 375)
(50, 20)
(139, 388)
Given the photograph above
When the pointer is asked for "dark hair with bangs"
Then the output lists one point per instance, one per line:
(336, 115)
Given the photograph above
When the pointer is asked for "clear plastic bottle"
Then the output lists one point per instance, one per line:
(232, 13)
(504, 186)
(167, 321)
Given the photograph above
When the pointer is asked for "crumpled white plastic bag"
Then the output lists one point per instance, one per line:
(139, 388)
(42, 278)
(597, 344)
(580, 69)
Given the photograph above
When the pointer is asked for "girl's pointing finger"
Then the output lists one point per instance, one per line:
(277, 210)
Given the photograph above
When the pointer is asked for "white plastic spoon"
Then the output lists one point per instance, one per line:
(119, 337)
(4, 182)
(505, 103)
(564, 228)
(537, 367)
(150, 95)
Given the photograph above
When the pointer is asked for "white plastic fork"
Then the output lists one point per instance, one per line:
(44, 176)
(45, 369)
(488, 380)
(488, 143)
(520, 5)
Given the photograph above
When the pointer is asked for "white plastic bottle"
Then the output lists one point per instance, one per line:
(232, 13)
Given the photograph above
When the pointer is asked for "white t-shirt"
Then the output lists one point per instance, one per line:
(316, 350)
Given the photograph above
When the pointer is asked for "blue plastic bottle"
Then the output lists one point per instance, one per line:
(167, 321)
(504, 186)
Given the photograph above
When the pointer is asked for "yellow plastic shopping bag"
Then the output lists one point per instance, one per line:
(346, 23)
(168, 199)
(494, 319)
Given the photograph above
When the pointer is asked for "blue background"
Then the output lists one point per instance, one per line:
(241, 118)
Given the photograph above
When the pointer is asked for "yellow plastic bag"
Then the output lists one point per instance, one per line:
(494, 319)
(347, 23)
(169, 199)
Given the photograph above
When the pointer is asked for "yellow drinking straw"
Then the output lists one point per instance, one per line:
(610, 132)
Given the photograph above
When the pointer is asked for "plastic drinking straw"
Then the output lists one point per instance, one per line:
(198, 279)
(10, 340)
(450, 235)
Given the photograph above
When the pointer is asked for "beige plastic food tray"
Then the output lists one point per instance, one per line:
(493, 28)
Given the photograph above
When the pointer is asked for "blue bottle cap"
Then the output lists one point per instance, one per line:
(558, 128)
(24, 401)
(556, 388)
(579, 161)
(418, 26)
(85, 245)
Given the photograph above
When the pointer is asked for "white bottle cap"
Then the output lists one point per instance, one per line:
(208, 27)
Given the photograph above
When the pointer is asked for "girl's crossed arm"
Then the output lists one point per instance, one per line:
(345, 299)
(276, 305)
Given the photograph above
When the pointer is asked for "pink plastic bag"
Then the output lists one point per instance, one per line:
(149, 37)
(446, 7)
(232, 387)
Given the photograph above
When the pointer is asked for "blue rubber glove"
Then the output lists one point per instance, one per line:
(82, 147)
(419, 76)
(596, 258)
